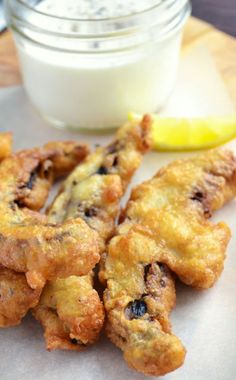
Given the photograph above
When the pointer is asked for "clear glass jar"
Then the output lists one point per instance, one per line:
(82, 73)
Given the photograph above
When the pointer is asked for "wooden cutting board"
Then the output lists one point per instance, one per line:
(222, 47)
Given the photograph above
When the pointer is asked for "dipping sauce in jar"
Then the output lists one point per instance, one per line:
(87, 63)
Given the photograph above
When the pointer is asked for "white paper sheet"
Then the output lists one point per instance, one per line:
(205, 321)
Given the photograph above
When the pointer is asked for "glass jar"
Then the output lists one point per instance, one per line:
(89, 73)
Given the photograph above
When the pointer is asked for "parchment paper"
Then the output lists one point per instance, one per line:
(205, 321)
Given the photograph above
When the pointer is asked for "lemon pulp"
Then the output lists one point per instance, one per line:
(173, 134)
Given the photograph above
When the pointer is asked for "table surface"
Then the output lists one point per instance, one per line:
(221, 45)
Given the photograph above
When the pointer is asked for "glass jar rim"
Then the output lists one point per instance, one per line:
(82, 35)
(160, 5)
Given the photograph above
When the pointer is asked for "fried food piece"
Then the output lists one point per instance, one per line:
(138, 301)
(139, 297)
(40, 249)
(71, 313)
(16, 297)
(5, 144)
(69, 155)
(178, 203)
(70, 309)
(93, 191)
(41, 166)
(166, 221)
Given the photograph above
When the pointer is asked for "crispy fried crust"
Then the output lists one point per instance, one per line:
(139, 296)
(40, 167)
(94, 189)
(5, 144)
(16, 297)
(41, 250)
(71, 313)
(177, 203)
(92, 192)
(69, 155)
(44, 251)
(166, 221)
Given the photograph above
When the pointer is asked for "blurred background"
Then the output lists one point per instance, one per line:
(221, 13)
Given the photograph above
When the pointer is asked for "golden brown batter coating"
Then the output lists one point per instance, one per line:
(41, 250)
(166, 221)
(5, 144)
(178, 203)
(46, 251)
(92, 192)
(16, 297)
(69, 155)
(94, 189)
(140, 294)
(70, 312)
(40, 167)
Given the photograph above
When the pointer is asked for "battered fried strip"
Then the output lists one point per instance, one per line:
(16, 297)
(69, 155)
(5, 144)
(178, 203)
(93, 191)
(41, 250)
(41, 167)
(166, 221)
(70, 309)
(70, 312)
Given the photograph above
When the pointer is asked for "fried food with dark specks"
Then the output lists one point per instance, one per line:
(70, 309)
(69, 155)
(40, 167)
(71, 313)
(165, 225)
(139, 297)
(5, 144)
(40, 249)
(93, 191)
(178, 203)
(138, 302)
(16, 297)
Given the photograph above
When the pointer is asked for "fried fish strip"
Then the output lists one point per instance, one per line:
(41, 166)
(178, 203)
(166, 221)
(68, 155)
(40, 249)
(70, 309)
(93, 191)
(5, 144)
(16, 297)
(70, 312)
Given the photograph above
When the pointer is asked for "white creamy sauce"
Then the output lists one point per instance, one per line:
(94, 9)
(98, 91)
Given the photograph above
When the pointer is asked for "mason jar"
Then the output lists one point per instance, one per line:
(85, 70)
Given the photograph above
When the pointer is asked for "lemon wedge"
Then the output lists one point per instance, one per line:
(173, 134)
